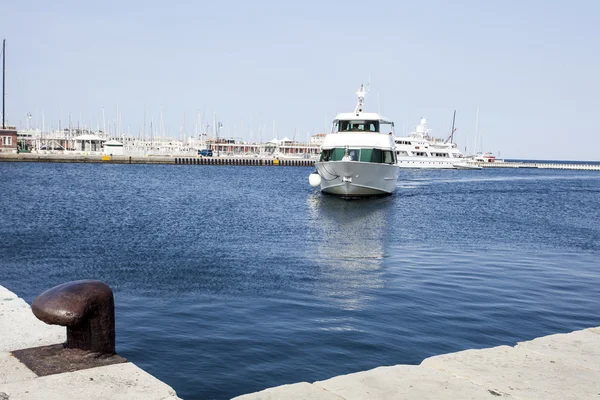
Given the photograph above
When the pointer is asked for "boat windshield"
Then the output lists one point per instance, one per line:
(362, 155)
(357, 126)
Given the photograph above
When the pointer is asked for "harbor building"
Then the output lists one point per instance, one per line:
(8, 139)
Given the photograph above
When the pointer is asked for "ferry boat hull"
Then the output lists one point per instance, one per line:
(357, 179)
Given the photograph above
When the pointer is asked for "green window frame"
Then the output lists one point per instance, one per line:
(363, 155)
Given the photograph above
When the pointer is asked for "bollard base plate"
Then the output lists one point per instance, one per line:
(56, 359)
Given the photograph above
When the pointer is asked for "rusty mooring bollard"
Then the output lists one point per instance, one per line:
(86, 308)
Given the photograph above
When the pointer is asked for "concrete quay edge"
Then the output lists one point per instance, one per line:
(560, 366)
(155, 159)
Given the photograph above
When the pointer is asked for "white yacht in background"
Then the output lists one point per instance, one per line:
(357, 157)
(421, 150)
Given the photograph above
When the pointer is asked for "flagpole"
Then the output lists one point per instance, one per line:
(3, 83)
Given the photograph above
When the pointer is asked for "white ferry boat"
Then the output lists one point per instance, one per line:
(421, 150)
(357, 157)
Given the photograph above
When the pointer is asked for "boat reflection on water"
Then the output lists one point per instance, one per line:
(347, 241)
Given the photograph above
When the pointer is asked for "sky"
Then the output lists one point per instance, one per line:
(272, 68)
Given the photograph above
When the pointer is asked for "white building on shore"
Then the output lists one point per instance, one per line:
(86, 141)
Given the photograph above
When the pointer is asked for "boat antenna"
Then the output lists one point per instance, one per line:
(451, 137)
(361, 99)
(3, 83)
(477, 131)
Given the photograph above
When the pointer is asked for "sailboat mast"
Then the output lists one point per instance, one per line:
(3, 83)
(477, 131)
(452, 133)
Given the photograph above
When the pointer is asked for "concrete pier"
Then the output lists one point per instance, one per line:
(562, 366)
(177, 160)
(20, 329)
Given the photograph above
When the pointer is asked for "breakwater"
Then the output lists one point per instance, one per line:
(244, 161)
(188, 160)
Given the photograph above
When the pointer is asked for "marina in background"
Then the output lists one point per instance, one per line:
(87, 142)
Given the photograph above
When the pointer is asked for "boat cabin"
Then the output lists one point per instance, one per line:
(359, 137)
(358, 126)
(362, 122)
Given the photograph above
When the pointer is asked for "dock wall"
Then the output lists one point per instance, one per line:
(186, 160)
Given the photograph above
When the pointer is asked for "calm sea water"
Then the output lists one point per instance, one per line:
(229, 280)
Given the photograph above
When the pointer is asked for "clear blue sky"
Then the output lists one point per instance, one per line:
(532, 67)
